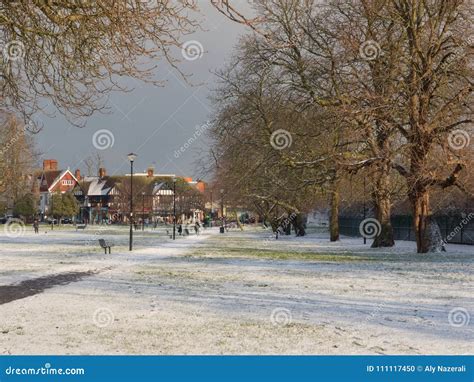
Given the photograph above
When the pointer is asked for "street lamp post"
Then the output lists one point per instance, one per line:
(52, 211)
(174, 208)
(222, 210)
(143, 211)
(83, 209)
(131, 158)
(212, 211)
(88, 210)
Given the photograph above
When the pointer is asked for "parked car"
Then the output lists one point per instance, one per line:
(51, 220)
(66, 221)
(5, 218)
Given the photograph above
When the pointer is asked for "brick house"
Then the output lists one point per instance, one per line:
(103, 198)
(52, 180)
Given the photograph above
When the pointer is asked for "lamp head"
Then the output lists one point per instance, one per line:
(131, 157)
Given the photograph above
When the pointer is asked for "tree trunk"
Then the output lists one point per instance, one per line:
(334, 213)
(427, 232)
(299, 224)
(275, 223)
(420, 205)
(237, 218)
(286, 223)
(383, 210)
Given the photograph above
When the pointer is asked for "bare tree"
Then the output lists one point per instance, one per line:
(17, 159)
(437, 91)
(93, 163)
(254, 128)
(72, 53)
(398, 73)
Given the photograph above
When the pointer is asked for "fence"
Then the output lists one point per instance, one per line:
(454, 229)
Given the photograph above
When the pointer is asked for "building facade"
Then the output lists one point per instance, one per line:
(53, 181)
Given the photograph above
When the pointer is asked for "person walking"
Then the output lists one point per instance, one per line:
(36, 225)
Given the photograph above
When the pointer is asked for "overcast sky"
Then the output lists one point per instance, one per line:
(153, 122)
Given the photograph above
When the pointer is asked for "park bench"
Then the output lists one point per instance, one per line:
(105, 245)
(81, 226)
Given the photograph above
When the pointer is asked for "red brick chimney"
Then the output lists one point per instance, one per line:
(150, 171)
(50, 165)
(77, 174)
(102, 172)
(201, 186)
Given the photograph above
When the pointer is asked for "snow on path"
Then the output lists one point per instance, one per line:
(191, 296)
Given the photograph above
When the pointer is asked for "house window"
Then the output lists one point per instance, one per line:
(67, 182)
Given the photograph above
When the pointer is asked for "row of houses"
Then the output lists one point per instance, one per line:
(104, 198)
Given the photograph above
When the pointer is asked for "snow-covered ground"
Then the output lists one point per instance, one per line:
(237, 293)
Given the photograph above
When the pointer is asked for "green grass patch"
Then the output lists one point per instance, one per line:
(278, 255)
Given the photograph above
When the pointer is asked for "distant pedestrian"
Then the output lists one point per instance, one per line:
(197, 226)
(36, 226)
(180, 229)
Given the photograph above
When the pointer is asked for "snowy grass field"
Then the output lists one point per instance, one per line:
(237, 293)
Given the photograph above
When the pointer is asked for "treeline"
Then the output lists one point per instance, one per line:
(326, 94)
(18, 159)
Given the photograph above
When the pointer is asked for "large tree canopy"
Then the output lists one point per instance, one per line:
(397, 73)
(71, 53)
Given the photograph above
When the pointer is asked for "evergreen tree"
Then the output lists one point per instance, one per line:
(25, 206)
